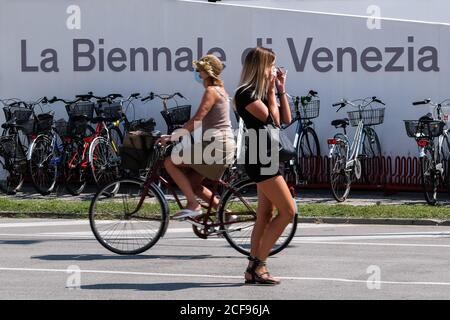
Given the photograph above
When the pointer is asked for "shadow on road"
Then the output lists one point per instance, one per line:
(172, 286)
(19, 242)
(93, 257)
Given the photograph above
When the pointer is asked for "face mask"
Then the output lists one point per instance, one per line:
(197, 77)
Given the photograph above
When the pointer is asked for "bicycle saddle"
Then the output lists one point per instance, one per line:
(340, 123)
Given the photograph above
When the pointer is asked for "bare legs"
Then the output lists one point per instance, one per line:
(272, 193)
(190, 185)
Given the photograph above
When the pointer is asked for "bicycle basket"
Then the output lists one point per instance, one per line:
(81, 109)
(111, 112)
(424, 129)
(370, 117)
(143, 125)
(18, 114)
(44, 122)
(177, 115)
(310, 110)
(27, 127)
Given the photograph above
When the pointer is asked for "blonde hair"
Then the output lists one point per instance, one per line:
(253, 73)
(212, 66)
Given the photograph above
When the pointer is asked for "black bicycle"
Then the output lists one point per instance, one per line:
(20, 129)
(306, 142)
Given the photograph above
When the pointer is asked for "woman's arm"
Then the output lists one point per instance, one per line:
(285, 110)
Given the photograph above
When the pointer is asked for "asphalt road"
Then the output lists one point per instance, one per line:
(60, 259)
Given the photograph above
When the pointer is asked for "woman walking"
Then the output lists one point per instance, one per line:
(255, 99)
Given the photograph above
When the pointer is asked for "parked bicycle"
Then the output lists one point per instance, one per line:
(129, 216)
(20, 129)
(306, 142)
(345, 155)
(433, 142)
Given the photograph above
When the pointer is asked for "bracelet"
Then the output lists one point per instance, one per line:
(279, 94)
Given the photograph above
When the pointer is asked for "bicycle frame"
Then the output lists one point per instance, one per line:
(153, 178)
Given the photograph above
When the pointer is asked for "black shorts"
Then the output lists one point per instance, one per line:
(254, 172)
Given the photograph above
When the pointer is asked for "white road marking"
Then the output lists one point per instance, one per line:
(44, 224)
(185, 275)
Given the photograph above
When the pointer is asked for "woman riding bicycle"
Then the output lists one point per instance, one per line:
(189, 164)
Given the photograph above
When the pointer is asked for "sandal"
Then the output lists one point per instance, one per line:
(257, 278)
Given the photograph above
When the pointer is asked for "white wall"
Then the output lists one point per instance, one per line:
(176, 24)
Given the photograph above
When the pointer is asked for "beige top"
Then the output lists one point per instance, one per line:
(219, 116)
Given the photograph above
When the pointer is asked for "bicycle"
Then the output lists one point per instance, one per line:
(345, 155)
(433, 143)
(130, 215)
(19, 130)
(65, 147)
(306, 141)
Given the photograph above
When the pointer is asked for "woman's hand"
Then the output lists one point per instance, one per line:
(281, 80)
(271, 87)
(164, 139)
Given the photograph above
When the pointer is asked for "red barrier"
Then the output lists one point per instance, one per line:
(382, 173)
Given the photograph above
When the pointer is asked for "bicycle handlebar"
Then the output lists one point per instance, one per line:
(417, 103)
(345, 102)
(153, 95)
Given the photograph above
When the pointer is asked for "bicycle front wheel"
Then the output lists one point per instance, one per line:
(430, 177)
(42, 165)
(309, 144)
(237, 216)
(12, 163)
(340, 180)
(104, 161)
(127, 217)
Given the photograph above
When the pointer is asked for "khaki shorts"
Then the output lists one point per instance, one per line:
(210, 160)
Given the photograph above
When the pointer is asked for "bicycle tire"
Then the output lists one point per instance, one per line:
(371, 143)
(125, 187)
(340, 180)
(244, 247)
(371, 149)
(103, 161)
(430, 177)
(116, 138)
(11, 172)
(308, 145)
(75, 175)
(43, 173)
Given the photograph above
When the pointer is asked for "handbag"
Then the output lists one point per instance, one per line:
(276, 134)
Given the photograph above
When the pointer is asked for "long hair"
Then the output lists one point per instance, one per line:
(253, 72)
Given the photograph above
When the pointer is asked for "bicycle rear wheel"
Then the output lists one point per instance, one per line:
(237, 216)
(125, 220)
(430, 177)
(75, 174)
(340, 180)
(42, 166)
(12, 165)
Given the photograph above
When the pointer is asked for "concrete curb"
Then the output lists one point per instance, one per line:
(383, 221)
